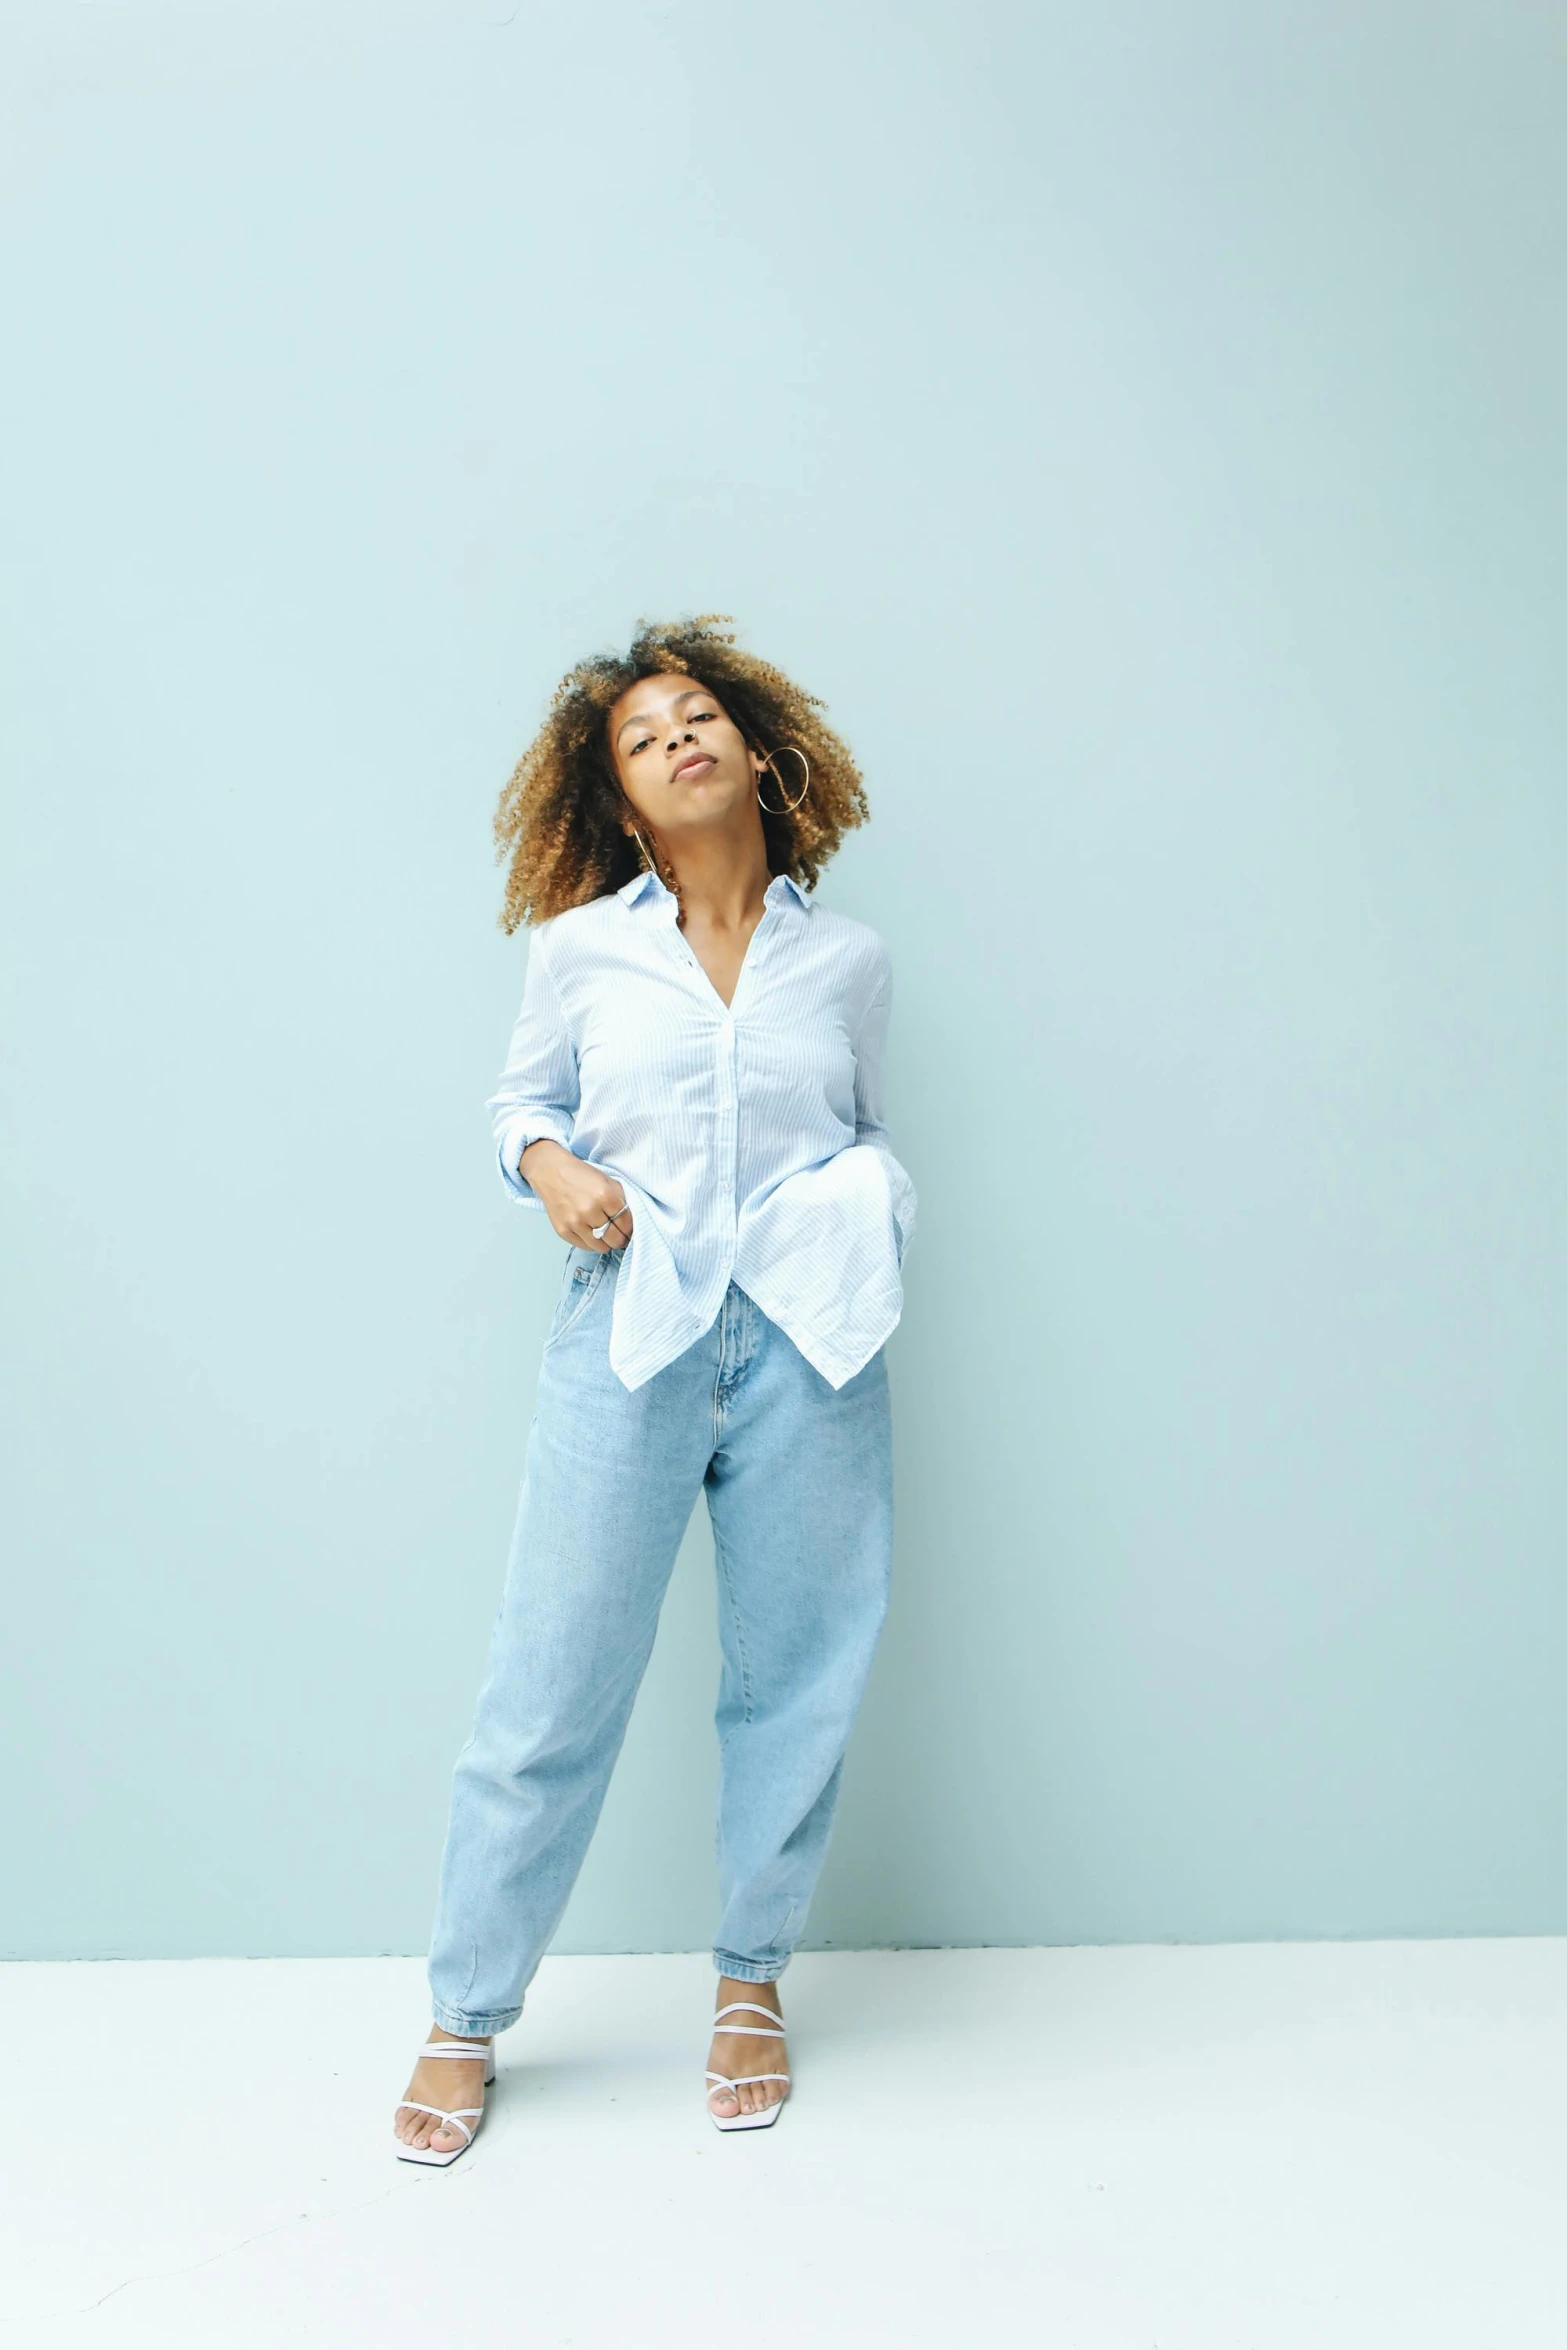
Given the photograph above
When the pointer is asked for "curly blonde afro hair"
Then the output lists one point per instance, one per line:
(559, 820)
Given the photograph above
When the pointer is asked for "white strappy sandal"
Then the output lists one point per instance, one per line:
(765, 2115)
(468, 2051)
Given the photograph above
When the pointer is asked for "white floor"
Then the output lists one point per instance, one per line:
(1256, 2147)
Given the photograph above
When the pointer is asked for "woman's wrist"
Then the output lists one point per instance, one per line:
(543, 1144)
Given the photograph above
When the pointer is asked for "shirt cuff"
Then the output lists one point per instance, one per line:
(514, 1138)
(905, 1199)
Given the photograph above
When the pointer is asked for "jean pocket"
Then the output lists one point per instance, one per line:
(579, 1283)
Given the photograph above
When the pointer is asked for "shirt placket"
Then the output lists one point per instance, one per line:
(726, 1123)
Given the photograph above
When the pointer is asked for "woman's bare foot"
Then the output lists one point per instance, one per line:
(445, 2081)
(735, 2052)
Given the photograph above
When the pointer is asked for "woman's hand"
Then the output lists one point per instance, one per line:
(576, 1196)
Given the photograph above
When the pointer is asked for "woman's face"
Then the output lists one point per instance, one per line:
(682, 761)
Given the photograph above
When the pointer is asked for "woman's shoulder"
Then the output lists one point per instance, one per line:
(860, 942)
(576, 927)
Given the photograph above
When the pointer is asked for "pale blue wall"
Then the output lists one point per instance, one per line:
(1145, 427)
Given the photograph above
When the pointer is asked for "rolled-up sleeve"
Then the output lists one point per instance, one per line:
(870, 1056)
(537, 1095)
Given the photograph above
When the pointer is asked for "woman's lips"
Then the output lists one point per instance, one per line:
(692, 766)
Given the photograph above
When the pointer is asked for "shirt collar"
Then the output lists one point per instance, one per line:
(647, 880)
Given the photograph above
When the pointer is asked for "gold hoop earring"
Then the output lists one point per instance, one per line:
(804, 788)
(670, 880)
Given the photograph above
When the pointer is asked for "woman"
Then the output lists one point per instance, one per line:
(693, 1096)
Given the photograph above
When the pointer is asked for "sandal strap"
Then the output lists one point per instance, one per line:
(749, 2032)
(751, 2007)
(477, 2054)
(455, 2116)
(723, 2081)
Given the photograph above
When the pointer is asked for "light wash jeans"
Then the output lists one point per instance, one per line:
(798, 1478)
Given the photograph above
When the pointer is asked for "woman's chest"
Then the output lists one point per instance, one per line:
(646, 1030)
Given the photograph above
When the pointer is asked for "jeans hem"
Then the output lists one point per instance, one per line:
(474, 2027)
(748, 1970)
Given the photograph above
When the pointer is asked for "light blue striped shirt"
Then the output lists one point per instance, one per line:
(748, 1138)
